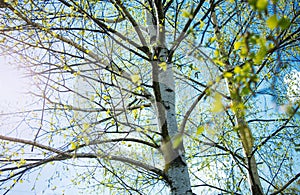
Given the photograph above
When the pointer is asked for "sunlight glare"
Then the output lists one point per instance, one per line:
(12, 86)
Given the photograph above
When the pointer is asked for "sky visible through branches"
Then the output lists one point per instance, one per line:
(150, 97)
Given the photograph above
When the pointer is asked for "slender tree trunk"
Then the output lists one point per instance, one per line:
(253, 177)
(244, 131)
(164, 88)
(246, 138)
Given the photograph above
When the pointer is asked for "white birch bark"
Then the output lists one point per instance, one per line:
(164, 88)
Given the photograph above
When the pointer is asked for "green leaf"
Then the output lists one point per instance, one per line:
(261, 4)
(212, 39)
(92, 98)
(200, 130)
(245, 91)
(237, 45)
(136, 78)
(218, 105)
(135, 113)
(284, 22)
(163, 66)
(237, 70)
(106, 97)
(73, 145)
(86, 140)
(228, 74)
(86, 126)
(201, 24)
(272, 22)
(187, 14)
(259, 58)
(219, 62)
(260, 55)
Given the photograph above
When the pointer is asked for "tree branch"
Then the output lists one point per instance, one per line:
(287, 184)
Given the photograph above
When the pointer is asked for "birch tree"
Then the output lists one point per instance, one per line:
(155, 97)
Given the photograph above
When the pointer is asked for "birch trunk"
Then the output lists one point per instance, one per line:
(244, 131)
(164, 89)
(247, 140)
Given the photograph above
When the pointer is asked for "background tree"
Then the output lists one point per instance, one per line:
(106, 77)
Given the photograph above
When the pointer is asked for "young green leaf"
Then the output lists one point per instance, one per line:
(218, 105)
(284, 23)
(135, 78)
(187, 14)
(272, 22)
(237, 45)
(201, 24)
(73, 145)
(212, 39)
(228, 74)
(86, 126)
(163, 66)
(261, 4)
(200, 130)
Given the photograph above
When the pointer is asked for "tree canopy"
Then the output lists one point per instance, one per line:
(156, 96)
